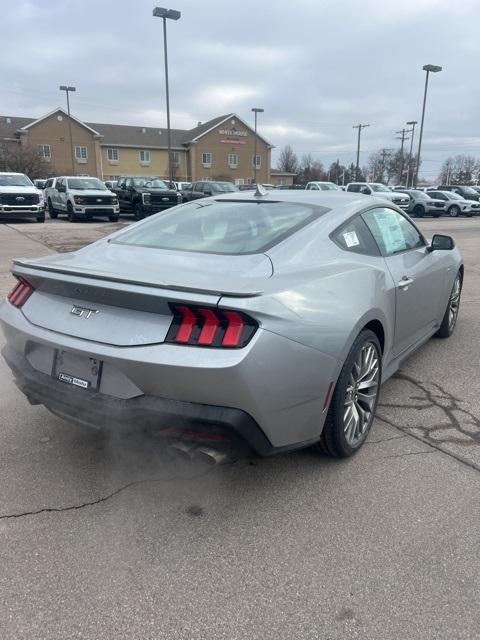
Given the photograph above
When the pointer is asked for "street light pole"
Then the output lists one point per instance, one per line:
(429, 68)
(412, 124)
(255, 110)
(67, 90)
(359, 127)
(171, 14)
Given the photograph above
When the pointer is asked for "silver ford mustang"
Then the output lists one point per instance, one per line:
(266, 319)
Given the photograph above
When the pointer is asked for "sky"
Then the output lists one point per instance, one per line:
(316, 67)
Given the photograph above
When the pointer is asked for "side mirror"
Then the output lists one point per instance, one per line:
(441, 243)
(61, 188)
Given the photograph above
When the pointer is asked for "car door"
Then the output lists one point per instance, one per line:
(120, 191)
(61, 194)
(197, 191)
(418, 275)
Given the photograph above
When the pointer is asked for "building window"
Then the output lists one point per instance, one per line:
(144, 157)
(239, 181)
(175, 157)
(112, 155)
(45, 152)
(81, 154)
(207, 159)
(232, 160)
(256, 161)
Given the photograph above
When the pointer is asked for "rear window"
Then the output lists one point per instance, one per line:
(224, 227)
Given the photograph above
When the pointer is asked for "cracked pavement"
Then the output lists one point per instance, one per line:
(108, 537)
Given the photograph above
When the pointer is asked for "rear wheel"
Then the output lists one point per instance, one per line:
(449, 320)
(418, 211)
(71, 215)
(51, 211)
(454, 210)
(355, 398)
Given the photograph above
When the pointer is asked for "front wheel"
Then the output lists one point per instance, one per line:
(355, 398)
(138, 211)
(418, 211)
(454, 211)
(51, 211)
(40, 218)
(450, 316)
(70, 214)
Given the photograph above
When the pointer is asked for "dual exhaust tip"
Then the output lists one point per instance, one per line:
(191, 451)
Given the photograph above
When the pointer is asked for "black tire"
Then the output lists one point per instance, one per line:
(333, 440)
(51, 211)
(447, 327)
(113, 218)
(40, 218)
(70, 213)
(418, 211)
(453, 211)
(138, 211)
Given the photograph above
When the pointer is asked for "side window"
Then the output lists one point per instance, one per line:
(59, 183)
(354, 187)
(392, 232)
(199, 186)
(129, 182)
(366, 190)
(48, 183)
(354, 236)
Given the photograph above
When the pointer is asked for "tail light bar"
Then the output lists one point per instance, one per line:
(20, 293)
(210, 327)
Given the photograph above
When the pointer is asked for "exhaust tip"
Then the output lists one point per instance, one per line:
(209, 456)
(181, 450)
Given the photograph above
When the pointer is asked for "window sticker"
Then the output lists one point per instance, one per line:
(391, 231)
(351, 239)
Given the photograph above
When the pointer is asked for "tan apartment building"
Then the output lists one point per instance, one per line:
(222, 148)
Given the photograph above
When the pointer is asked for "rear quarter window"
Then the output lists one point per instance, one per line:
(355, 237)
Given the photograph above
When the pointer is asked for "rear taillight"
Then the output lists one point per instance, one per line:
(210, 327)
(20, 293)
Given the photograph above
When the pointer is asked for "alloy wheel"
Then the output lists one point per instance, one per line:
(361, 395)
(454, 303)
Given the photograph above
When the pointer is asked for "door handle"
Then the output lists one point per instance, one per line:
(405, 282)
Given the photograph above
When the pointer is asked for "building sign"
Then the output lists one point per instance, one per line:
(232, 136)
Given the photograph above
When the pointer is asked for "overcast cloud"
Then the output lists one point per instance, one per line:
(316, 68)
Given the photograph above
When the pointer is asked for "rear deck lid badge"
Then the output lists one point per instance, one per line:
(83, 312)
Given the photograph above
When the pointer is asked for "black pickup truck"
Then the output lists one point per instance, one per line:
(145, 195)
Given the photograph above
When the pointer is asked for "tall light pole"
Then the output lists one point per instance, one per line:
(412, 124)
(429, 68)
(256, 110)
(67, 90)
(171, 14)
(359, 127)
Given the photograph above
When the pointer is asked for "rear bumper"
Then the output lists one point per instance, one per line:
(172, 418)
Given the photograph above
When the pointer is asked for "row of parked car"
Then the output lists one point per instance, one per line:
(80, 197)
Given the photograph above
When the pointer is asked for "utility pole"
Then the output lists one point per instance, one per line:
(412, 123)
(384, 154)
(403, 136)
(359, 127)
(256, 111)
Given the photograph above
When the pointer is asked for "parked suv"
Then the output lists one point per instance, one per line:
(81, 197)
(145, 195)
(19, 198)
(455, 204)
(466, 192)
(422, 204)
(206, 188)
(380, 191)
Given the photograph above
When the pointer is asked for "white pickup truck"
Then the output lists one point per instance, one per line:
(80, 197)
(379, 190)
(19, 198)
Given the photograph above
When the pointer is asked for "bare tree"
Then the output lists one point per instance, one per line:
(310, 169)
(288, 160)
(461, 169)
(24, 160)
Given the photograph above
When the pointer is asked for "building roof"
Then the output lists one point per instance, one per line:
(132, 136)
(121, 135)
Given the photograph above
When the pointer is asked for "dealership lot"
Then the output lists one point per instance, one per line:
(108, 537)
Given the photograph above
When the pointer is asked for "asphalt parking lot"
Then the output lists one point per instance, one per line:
(108, 537)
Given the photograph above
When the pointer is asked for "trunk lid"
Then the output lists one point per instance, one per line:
(120, 294)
